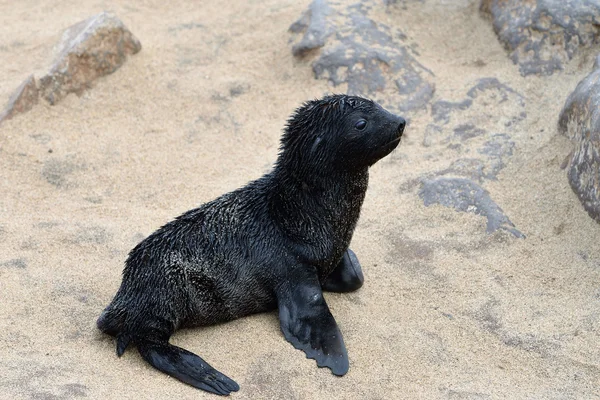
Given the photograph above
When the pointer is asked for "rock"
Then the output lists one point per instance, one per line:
(88, 50)
(494, 151)
(497, 149)
(580, 121)
(467, 131)
(501, 91)
(24, 98)
(541, 35)
(348, 47)
(474, 154)
(467, 196)
(457, 126)
(442, 108)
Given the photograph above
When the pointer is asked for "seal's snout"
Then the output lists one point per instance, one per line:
(401, 126)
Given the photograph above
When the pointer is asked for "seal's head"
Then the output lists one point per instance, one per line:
(339, 132)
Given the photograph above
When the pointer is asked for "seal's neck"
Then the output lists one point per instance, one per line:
(307, 202)
(321, 186)
(318, 213)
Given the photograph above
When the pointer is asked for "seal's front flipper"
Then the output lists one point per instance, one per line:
(186, 366)
(307, 323)
(346, 277)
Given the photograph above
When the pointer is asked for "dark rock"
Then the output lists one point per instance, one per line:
(467, 196)
(580, 121)
(24, 98)
(467, 131)
(471, 168)
(315, 25)
(90, 49)
(488, 99)
(457, 127)
(350, 48)
(493, 85)
(441, 109)
(541, 35)
(498, 149)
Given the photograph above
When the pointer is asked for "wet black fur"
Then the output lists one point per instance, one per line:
(274, 243)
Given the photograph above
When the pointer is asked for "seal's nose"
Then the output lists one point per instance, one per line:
(401, 126)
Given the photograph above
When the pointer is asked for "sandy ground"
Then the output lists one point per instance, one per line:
(447, 311)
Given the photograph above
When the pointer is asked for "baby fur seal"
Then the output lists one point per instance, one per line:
(276, 243)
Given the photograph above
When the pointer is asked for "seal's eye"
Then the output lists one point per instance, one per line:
(360, 124)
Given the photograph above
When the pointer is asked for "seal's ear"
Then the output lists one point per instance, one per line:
(315, 145)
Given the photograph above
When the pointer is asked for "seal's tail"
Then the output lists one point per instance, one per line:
(185, 366)
(153, 345)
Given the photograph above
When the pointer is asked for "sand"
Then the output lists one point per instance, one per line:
(447, 311)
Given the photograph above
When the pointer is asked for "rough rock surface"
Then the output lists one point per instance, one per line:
(24, 98)
(541, 35)
(478, 154)
(580, 121)
(488, 101)
(467, 196)
(370, 57)
(88, 50)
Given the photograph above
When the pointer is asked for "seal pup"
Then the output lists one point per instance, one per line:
(275, 243)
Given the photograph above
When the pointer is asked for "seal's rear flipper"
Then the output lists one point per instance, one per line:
(307, 323)
(186, 366)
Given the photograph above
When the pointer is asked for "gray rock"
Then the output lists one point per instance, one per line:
(441, 109)
(467, 196)
(580, 121)
(541, 35)
(485, 97)
(472, 168)
(24, 98)
(504, 92)
(495, 152)
(467, 131)
(497, 149)
(350, 48)
(458, 126)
